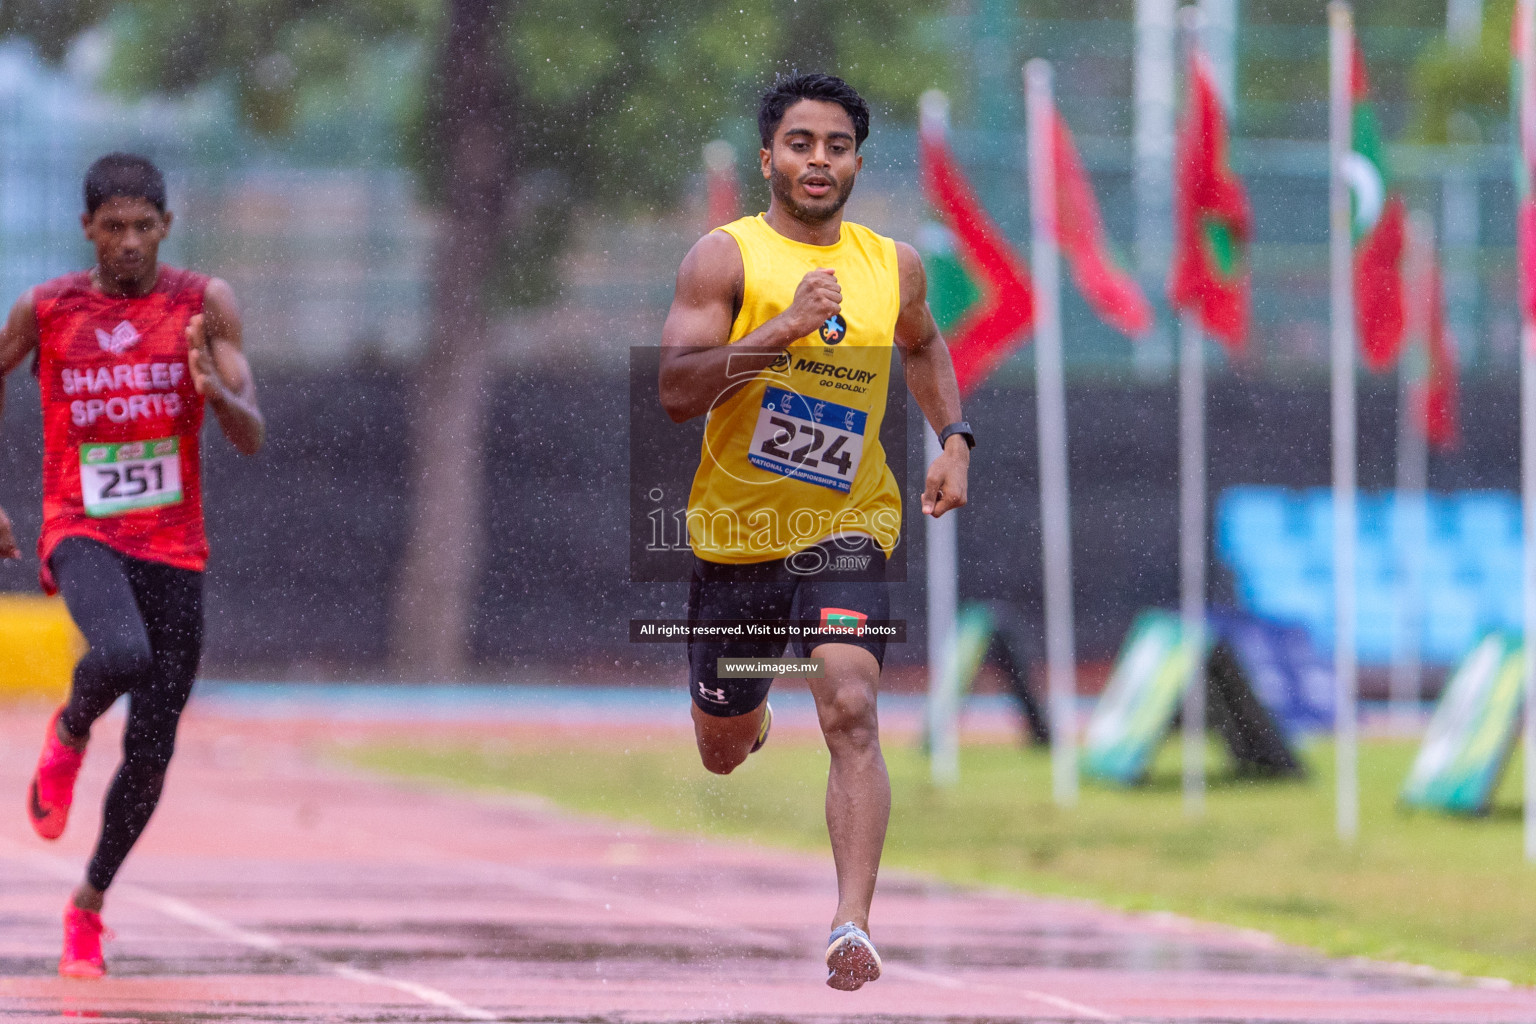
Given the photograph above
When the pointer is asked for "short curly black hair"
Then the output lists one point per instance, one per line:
(787, 90)
(124, 174)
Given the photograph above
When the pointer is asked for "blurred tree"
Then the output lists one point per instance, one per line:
(1452, 82)
(51, 25)
(527, 110)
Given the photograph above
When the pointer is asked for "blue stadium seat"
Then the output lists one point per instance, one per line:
(1373, 517)
(1296, 597)
(1274, 566)
(1466, 573)
(1376, 625)
(1375, 566)
(1410, 521)
(1452, 623)
(1487, 518)
(1314, 510)
(1250, 519)
(1441, 566)
(1444, 522)
(1504, 610)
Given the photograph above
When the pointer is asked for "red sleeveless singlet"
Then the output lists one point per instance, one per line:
(120, 419)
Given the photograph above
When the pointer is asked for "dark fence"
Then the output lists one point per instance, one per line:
(307, 536)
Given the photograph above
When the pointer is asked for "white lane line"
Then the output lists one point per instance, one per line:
(580, 892)
(945, 981)
(537, 884)
(186, 913)
(425, 993)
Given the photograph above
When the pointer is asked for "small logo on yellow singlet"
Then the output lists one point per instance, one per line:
(834, 329)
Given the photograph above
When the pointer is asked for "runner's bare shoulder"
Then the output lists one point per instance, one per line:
(909, 268)
(713, 270)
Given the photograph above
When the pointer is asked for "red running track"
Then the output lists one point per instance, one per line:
(274, 887)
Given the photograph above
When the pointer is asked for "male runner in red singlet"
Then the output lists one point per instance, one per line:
(781, 332)
(128, 355)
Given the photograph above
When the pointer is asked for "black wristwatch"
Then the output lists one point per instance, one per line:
(959, 427)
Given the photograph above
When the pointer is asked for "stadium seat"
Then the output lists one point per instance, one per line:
(1505, 611)
(1458, 555)
(1373, 518)
(1451, 624)
(1410, 521)
(1315, 513)
(1487, 518)
(1295, 597)
(1375, 566)
(1376, 625)
(1250, 520)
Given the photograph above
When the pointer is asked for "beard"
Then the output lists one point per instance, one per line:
(816, 212)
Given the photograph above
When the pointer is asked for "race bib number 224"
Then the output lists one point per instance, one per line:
(818, 442)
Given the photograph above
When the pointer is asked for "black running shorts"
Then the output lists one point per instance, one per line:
(846, 574)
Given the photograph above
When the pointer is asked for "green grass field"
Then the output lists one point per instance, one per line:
(1451, 893)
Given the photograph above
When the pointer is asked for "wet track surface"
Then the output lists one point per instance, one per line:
(272, 887)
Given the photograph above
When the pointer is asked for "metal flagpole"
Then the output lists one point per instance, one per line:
(943, 575)
(1218, 41)
(943, 600)
(1342, 312)
(1460, 202)
(1152, 141)
(1463, 21)
(1527, 143)
(1192, 551)
(1192, 519)
(1051, 411)
(1406, 687)
(1528, 500)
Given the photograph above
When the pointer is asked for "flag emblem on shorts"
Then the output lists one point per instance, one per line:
(842, 618)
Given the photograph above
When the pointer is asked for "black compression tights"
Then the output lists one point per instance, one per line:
(144, 623)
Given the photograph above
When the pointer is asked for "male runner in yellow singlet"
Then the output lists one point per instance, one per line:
(781, 331)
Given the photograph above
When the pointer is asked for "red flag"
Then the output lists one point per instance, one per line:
(1437, 396)
(721, 189)
(1113, 294)
(1525, 240)
(988, 331)
(1524, 117)
(1210, 276)
(1379, 225)
(1379, 313)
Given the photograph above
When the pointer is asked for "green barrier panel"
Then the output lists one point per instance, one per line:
(1143, 695)
(984, 632)
(1472, 732)
(1146, 692)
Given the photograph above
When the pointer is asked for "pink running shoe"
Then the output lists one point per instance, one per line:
(53, 787)
(83, 932)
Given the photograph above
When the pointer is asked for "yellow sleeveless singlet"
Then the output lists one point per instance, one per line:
(794, 458)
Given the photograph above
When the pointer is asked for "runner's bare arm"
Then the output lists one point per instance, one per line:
(18, 339)
(697, 366)
(931, 379)
(8, 547)
(216, 361)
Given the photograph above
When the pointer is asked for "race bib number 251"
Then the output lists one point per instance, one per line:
(815, 441)
(118, 478)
